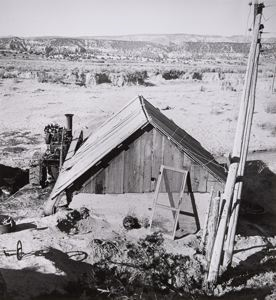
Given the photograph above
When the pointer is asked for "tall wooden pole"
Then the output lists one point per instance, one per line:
(204, 233)
(212, 227)
(229, 244)
(236, 154)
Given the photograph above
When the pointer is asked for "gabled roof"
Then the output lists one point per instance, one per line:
(184, 141)
(132, 117)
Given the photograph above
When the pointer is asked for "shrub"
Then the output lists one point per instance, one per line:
(172, 74)
(221, 75)
(8, 74)
(127, 267)
(197, 76)
(10, 68)
(137, 77)
(203, 89)
(216, 111)
(268, 126)
(273, 131)
(130, 222)
(16, 149)
(269, 74)
(52, 77)
(102, 78)
(271, 108)
(2, 72)
(227, 86)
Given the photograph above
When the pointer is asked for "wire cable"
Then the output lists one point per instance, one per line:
(248, 16)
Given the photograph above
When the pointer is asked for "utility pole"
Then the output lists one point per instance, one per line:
(229, 244)
(255, 11)
(238, 149)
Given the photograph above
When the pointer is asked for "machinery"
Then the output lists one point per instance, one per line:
(45, 167)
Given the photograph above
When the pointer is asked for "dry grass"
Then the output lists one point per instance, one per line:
(201, 102)
(268, 126)
(15, 150)
(216, 111)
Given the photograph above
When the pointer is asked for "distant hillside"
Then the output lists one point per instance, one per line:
(161, 47)
(177, 39)
(180, 38)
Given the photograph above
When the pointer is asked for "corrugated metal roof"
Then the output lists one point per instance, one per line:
(110, 135)
(118, 128)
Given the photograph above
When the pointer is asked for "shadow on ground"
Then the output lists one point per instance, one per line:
(24, 226)
(68, 285)
(260, 264)
(11, 180)
(256, 275)
(65, 284)
(258, 205)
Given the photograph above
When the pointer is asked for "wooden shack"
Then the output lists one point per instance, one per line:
(125, 154)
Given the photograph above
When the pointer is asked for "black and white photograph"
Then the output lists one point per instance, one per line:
(138, 149)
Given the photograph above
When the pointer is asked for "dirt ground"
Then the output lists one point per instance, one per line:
(54, 261)
(206, 109)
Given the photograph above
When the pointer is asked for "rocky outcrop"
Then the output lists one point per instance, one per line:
(92, 78)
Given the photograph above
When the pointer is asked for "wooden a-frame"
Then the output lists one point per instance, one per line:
(175, 209)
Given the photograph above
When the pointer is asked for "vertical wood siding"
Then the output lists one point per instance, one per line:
(136, 169)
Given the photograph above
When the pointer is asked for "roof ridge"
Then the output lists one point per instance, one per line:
(142, 102)
(182, 138)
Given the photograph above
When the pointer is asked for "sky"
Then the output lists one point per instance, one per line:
(120, 17)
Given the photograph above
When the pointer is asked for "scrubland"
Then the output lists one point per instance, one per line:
(95, 256)
(203, 100)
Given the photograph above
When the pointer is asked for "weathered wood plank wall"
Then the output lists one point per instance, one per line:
(136, 169)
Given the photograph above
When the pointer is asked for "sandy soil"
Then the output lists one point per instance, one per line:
(50, 258)
(54, 260)
(203, 108)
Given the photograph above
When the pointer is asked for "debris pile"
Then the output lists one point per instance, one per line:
(69, 222)
(124, 268)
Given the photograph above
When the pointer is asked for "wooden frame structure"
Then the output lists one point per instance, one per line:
(118, 133)
(175, 209)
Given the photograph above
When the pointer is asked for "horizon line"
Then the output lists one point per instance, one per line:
(127, 35)
(119, 35)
